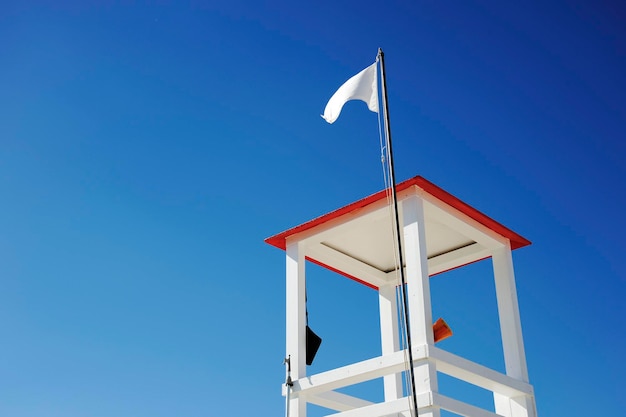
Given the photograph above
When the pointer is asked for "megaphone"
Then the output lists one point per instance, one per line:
(441, 330)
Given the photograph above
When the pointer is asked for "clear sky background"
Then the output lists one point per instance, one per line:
(148, 148)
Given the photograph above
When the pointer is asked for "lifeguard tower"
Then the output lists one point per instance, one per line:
(439, 233)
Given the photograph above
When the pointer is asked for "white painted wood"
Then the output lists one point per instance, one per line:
(428, 405)
(355, 220)
(418, 292)
(355, 373)
(338, 232)
(345, 263)
(459, 257)
(424, 412)
(502, 404)
(460, 408)
(462, 223)
(378, 278)
(389, 337)
(377, 410)
(511, 330)
(479, 375)
(445, 362)
(426, 380)
(337, 401)
(523, 406)
(513, 396)
(508, 310)
(296, 321)
(389, 408)
(418, 285)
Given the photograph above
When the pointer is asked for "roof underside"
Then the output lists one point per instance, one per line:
(372, 243)
(358, 241)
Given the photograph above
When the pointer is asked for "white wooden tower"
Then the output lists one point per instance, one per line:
(440, 232)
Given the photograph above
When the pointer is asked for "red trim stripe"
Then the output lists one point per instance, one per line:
(517, 241)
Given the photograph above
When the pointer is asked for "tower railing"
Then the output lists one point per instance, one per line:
(319, 389)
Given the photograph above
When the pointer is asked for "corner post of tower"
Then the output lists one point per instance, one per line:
(419, 300)
(511, 332)
(296, 321)
(389, 337)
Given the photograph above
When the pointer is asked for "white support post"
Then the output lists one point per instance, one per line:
(389, 336)
(418, 291)
(296, 321)
(511, 330)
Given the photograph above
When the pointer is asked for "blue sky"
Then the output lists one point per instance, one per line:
(148, 148)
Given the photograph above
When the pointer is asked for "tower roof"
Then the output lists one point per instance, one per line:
(357, 240)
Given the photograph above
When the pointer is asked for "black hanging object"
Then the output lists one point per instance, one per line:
(313, 343)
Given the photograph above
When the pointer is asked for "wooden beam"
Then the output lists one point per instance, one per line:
(464, 224)
(389, 408)
(347, 264)
(344, 224)
(456, 258)
(355, 373)
(460, 408)
(337, 401)
(481, 376)
(377, 410)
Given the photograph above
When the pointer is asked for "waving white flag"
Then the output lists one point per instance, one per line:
(363, 86)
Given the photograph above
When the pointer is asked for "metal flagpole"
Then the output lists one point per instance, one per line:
(397, 218)
(288, 384)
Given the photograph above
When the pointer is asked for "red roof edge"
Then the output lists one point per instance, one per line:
(517, 241)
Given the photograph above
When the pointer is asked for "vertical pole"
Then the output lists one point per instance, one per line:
(511, 331)
(296, 322)
(389, 337)
(417, 272)
(418, 294)
(392, 175)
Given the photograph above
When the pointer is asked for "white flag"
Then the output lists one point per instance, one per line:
(363, 86)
